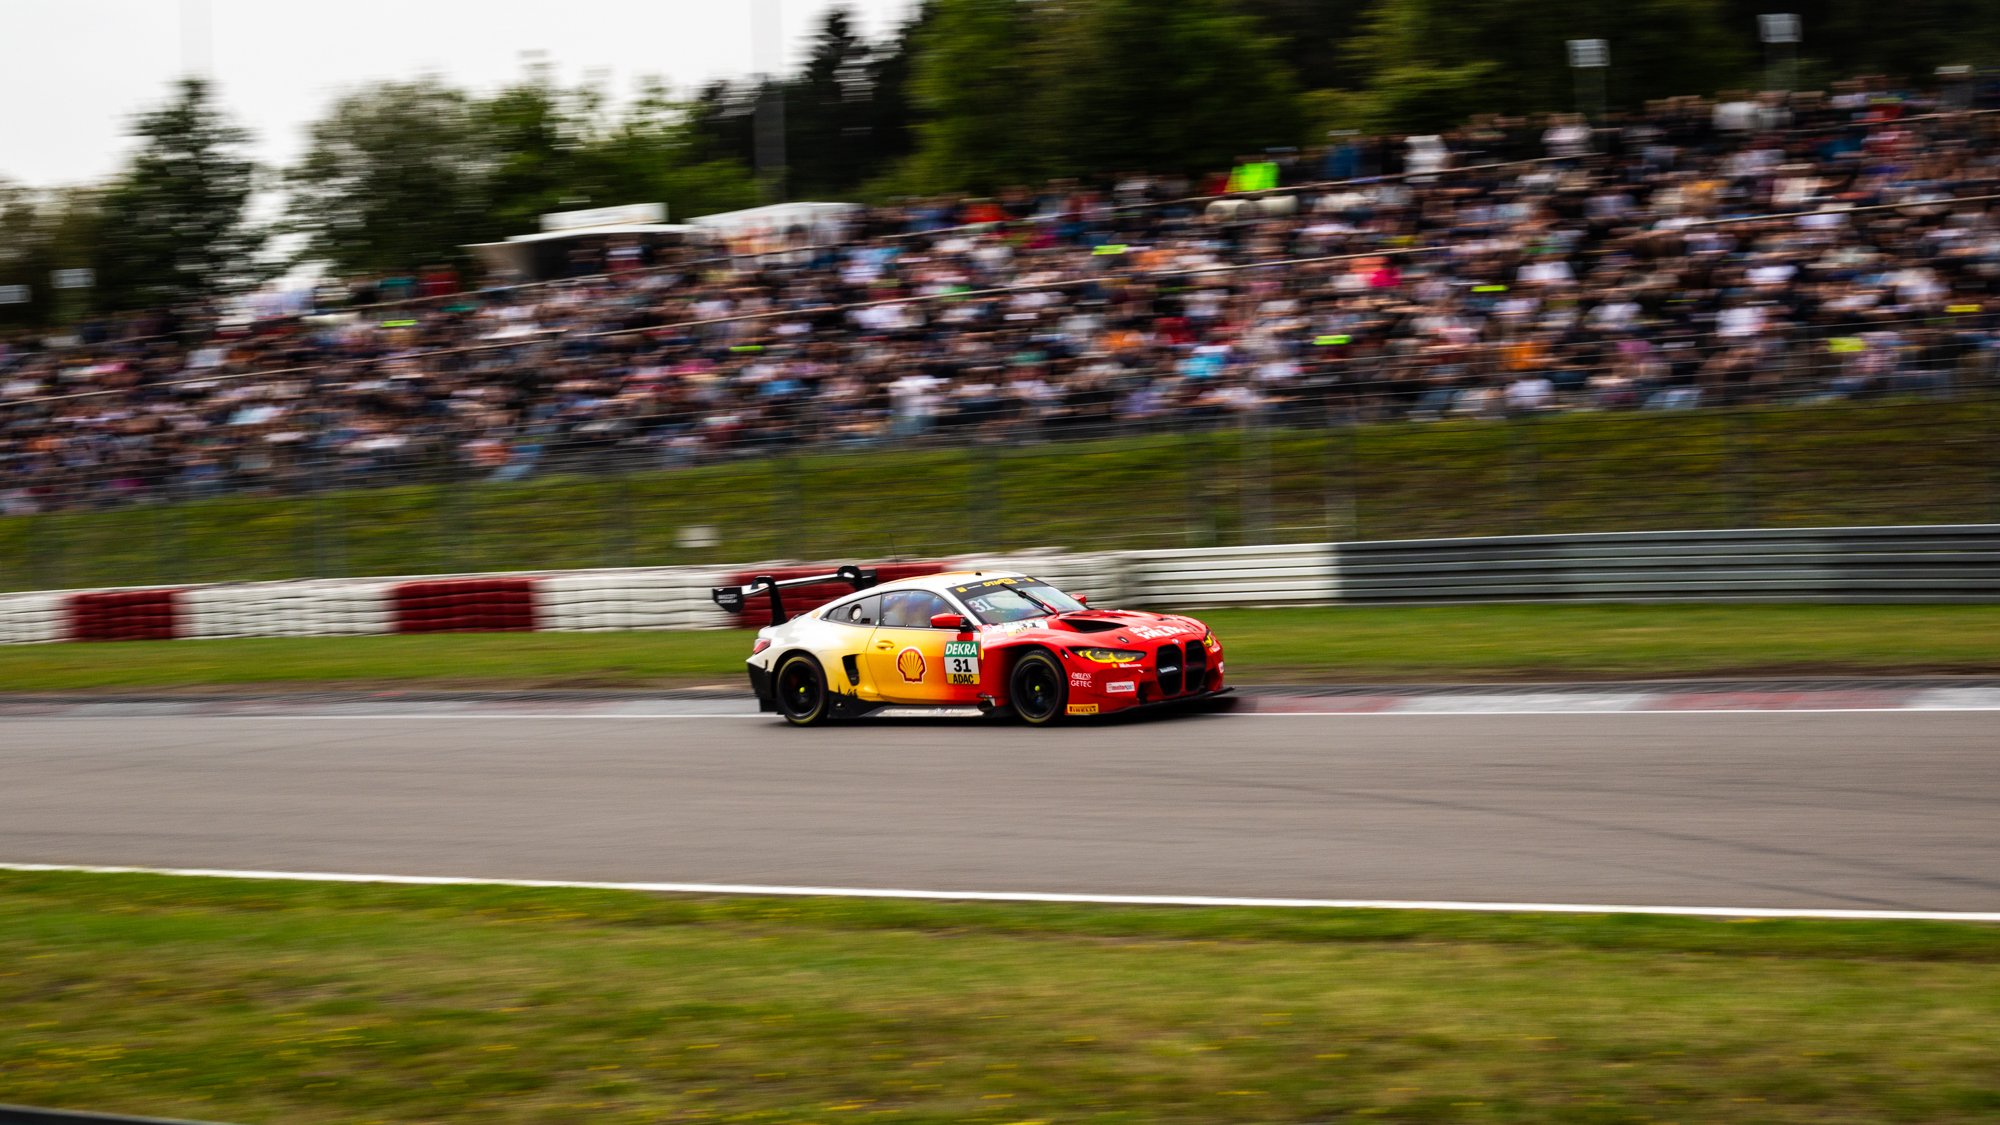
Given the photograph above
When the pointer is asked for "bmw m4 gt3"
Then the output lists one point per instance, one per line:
(1000, 642)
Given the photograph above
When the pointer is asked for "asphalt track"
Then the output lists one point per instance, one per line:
(1868, 810)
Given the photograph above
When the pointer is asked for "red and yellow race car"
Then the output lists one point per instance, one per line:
(1000, 642)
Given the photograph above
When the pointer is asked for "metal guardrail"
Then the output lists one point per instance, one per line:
(1201, 578)
(1931, 563)
(35, 1115)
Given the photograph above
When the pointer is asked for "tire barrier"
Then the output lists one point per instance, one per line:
(285, 609)
(1937, 564)
(125, 615)
(602, 601)
(32, 619)
(466, 605)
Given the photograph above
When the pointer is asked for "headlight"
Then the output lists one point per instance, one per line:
(1209, 642)
(1110, 655)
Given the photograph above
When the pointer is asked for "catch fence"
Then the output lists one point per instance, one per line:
(1241, 481)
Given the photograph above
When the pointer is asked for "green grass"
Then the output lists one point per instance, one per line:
(275, 1002)
(1916, 462)
(440, 660)
(1603, 642)
(1329, 644)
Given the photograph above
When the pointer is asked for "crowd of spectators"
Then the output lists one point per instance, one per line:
(1419, 278)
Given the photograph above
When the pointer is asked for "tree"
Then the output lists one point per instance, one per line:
(1312, 38)
(40, 233)
(849, 116)
(24, 256)
(892, 111)
(535, 132)
(555, 149)
(652, 155)
(405, 174)
(1430, 59)
(827, 112)
(1163, 85)
(395, 177)
(1843, 38)
(174, 222)
(978, 78)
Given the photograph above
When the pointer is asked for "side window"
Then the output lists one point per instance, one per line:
(912, 609)
(866, 611)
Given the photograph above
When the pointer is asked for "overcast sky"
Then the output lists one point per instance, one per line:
(72, 72)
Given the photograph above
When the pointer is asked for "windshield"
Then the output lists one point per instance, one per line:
(997, 601)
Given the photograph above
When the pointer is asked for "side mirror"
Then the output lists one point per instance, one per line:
(947, 621)
(1081, 599)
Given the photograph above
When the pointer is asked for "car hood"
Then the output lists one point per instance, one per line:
(1115, 626)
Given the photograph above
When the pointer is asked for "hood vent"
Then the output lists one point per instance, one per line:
(1091, 625)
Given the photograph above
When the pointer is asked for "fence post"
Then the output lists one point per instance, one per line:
(56, 545)
(1193, 493)
(985, 506)
(1340, 483)
(162, 567)
(1203, 492)
(338, 564)
(1254, 493)
(1992, 448)
(782, 504)
(628, 517)
(442, 481)
(1740, 456)
(1523, 471)
(318, 517)
(599, 490)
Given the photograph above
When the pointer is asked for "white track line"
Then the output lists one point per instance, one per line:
(1031, 896)
(1386, 714)
(375, 717)
(1628, 711)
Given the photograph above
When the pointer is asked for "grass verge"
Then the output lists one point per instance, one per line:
(252, 1002)
(1329, 644)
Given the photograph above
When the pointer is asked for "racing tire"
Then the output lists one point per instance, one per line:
(1038, 688)
(799, 686)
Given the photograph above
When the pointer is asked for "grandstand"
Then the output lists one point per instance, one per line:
(1797, 251)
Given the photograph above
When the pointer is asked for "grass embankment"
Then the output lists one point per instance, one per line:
(1329, 644)
(1920, 462)
(259, 1002)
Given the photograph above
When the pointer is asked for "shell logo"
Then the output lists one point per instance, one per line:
(910, 663)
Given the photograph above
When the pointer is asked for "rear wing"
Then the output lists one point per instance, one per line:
(731, 598)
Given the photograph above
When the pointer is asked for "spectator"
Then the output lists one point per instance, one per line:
(1589, 282)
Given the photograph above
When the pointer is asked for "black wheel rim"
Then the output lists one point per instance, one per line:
(1036, 690)
(798, 690)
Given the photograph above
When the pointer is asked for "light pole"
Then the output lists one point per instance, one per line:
(70, 309)
(1780, 33)
(1955, 88)
(1588, 60)
(767, 46)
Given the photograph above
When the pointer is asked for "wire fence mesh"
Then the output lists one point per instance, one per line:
(1326, 465)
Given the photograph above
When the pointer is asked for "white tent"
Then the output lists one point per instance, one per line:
(779, 218)
(516, 257)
